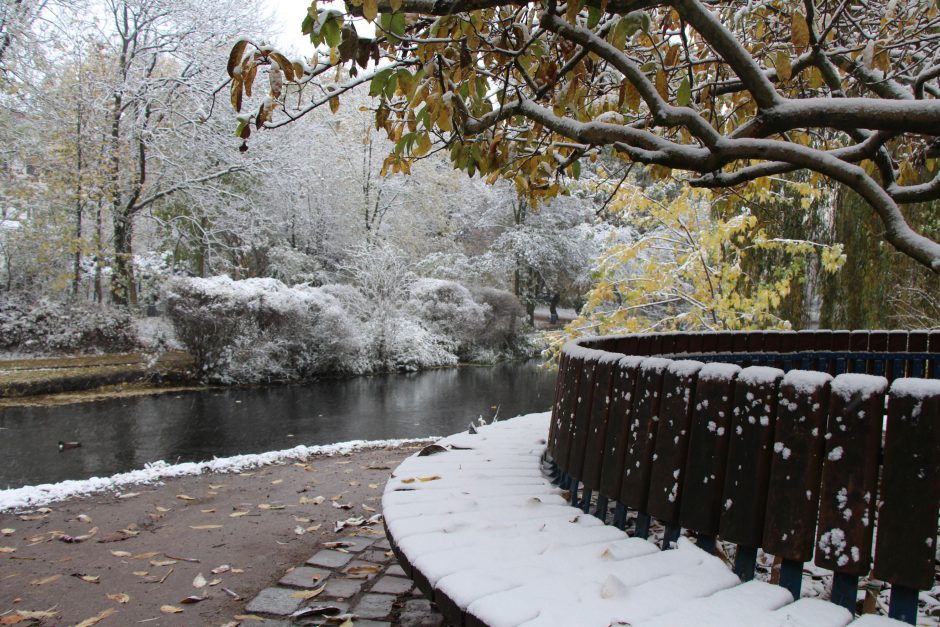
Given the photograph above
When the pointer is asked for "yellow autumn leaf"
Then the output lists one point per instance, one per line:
(370, 9)
(97, 618)
(171, 609)
(205, 526)
(120, 597)
(306, 595)
(799, 31)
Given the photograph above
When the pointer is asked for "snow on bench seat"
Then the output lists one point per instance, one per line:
(480, 523)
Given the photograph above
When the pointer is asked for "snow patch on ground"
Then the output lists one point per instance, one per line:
(38, 495)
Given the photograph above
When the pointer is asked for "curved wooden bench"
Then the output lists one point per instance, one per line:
(714, 434)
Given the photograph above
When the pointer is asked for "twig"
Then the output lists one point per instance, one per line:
(166, 575)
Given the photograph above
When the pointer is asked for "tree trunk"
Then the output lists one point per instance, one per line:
(123, 285)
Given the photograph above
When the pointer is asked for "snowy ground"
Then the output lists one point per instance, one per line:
(44, 494)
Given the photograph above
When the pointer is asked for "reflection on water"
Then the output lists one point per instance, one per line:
(123, 434)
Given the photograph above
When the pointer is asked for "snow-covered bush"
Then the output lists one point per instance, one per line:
(447, 309)
(51, 327)
(261, 330)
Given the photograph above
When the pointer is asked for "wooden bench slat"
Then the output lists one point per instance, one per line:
(566, 415)
(910, 485)
(850, 471)
(619, 417)
(641, 433)
(582, 417)
(597, 426)
(700, 509)
(672, 440)
(560, 379)
(749, 455)
(793, 491)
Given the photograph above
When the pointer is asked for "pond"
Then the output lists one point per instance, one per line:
(123, 434)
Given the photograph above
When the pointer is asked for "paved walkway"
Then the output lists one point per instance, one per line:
(358, 576)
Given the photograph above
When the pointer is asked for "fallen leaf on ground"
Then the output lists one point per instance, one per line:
(88, 578)
(247, 617)
(313, 528)
(85, 518)
(7, 549)
(170, 609)
(199, 581)
(205, 526)
(159, 563)
(7, 531)
(362, 570)
(120, 597)
(128, 495)
(277, 481)
(82, 538)
(141, 573)
(238, 570)
(117, 536)
(378, 467)
(45, 580)
(184, 497)
(145, 556)
(299, 530)
(374, 486)
(306, 595)
(314, 501)
(120, 553)
(215, 582)
(31, 517)
(409, 480)
(216, 486)
(340, 544)
(163, 510)
(367, 508)
(246, 474)
(425, 479)
(207, 511)
(237, 514)
(97, 618)
(317, 610)
(269, 506)
(21, 615)
(339, 505)
(302, 519)
(224, 568)
(193, 599)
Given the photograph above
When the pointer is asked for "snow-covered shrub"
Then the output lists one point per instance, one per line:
(261, 330)
(51, 327)
(503, 316)
(447, 309)
(409, 345)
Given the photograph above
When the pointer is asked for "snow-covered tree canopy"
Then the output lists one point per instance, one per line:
(731, 90)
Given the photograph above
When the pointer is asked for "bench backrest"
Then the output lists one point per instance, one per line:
(798, 443)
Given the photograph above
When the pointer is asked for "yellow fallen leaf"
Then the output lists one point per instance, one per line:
(128, 495)
(277, 481)
(163, 509)
(160, 563)
(97, 618)
(367, 508)
(45, 580)
(216, 486)
(205, 526)
(85, 518)
(306, 595)
(207, 511)
(347, 623)
(302, 519)
(120, 597)
(247, 617)
(184, 497)
(171, 609)
(410, 480)
(7, 531)
(120, 553)
(199, 581)
(236, 514)
(425, 479)
(246, 474)
(362, 570)
(145, 556)
(141, 573)
(269, 506)
(89, 578)
(215, 582)
(7, 549)
(224, 568)
(374, 486)
(238, 570)
(32, 614)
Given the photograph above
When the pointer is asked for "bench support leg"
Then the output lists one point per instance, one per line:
(903, 604)
(706, 543)
(600, 510)
(620, 516)
(563, 481)
(573, 488)
(845, 591)
(791, 576)
(744, 560)
(586, 500)
(642, 529)
(671, 537)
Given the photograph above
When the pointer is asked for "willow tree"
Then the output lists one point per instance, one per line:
(730, 91)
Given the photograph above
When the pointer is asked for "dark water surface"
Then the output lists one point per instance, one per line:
(123, 434)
